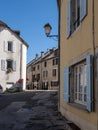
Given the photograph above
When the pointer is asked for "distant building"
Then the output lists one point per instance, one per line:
(43, 71)
(13, 54)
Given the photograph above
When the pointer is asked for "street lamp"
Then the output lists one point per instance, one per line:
(48, 28)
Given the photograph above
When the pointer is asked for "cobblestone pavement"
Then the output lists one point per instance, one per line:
(36, 110)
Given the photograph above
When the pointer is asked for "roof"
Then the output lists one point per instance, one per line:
(36, 61)
(14, 32)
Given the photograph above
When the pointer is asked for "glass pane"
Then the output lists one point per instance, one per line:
(85, 97)
(80, 97)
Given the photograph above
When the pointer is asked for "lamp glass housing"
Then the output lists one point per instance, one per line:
(47, 29)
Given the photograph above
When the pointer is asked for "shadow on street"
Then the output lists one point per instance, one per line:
(36, 110)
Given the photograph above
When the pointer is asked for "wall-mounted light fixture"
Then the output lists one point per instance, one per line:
(47, 29)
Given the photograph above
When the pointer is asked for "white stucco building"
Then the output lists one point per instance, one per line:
(13, 52)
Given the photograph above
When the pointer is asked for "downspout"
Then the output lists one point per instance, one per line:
(59, 8)
(94, 70)
(20, 61)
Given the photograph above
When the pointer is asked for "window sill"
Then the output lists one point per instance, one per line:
(78, 106)
(75, 31)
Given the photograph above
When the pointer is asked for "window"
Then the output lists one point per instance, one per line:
(45, 74)
(56, 53)
(5, 64)
(9, 64)
(33, 78)
(10, 46)
(33, 68)
(78, 83)
(54, 72)
(38, 77)
(76, 11)
(54, 83)
(55, 61)
(38, 67)
(75, 14)
(45, 64)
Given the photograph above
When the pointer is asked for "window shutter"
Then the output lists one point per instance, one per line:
(89, 61)
(3, 65)
(14, 65)
(66, 84)
(68, 18)
(5, 46)
(14, 46)
(83, 9)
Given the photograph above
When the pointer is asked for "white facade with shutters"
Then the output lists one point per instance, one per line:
(78, 41)
(12, 55)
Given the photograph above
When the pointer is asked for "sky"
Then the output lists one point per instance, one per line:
(30, 16)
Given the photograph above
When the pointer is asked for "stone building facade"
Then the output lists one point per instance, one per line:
(43, 71)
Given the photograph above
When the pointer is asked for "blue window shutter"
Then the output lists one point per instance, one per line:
(89, 61)
(66, 84)
(68, 18)
(83, 9)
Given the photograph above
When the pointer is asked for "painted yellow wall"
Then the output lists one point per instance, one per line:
(96, 22)
(78, 44)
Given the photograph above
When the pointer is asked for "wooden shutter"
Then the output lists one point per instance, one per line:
(68, 18)
(3, 65)
(66, 84)
(14, 46)
(89, 61)
(14, 65)
(5, 46)
(83, 9)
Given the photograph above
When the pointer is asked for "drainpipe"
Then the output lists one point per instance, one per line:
(20, 61)
(94, 73)
(59, 8)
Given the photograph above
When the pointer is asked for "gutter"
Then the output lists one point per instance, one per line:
(59, 9)
(94, 64)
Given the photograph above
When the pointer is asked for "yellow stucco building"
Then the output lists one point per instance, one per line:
(78, 44)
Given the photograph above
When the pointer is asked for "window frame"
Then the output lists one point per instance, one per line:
(67, 84)
(10, 46)
(54, 73)
(73, 11)
(79, 78)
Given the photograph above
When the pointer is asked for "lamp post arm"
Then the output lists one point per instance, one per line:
(52, 35)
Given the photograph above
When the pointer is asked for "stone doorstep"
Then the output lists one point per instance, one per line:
(71, 126)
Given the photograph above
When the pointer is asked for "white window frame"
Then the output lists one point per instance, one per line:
(80, 80)
(68, 85)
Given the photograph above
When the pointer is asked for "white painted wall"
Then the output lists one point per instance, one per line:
(23, 70)
(7, 35)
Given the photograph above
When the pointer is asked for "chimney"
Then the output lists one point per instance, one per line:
(17, 32)
(42, 54)
(36, 57)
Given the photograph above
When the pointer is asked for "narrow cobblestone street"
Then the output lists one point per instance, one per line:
(31, 111)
